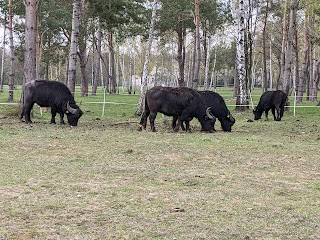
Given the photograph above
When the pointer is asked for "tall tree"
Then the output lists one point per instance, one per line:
(289, 46)
(12, 55)
(30, 39)
(238, 14)
(265, 75)
(304, 73)
(176, 17)
(83, 44)
(195, 80)
(3, 52)
(74, 45)
(97, 60)
(147, 58)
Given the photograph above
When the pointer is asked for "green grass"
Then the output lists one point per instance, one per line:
(106, 180)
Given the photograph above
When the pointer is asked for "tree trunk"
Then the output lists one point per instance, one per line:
(74, 45)
(265, 75)
(284, 40)
(30, 40)
(296, 50)
(112, 64)
(198, 47)
(12, 56)
(305, 64)
(84, 73)
(146, 62)
(311, 61)
(206, 70)
(97, 61)
(3, 53)
(314, 83)
(239, 23)
(288, 57)
(193, 59)
(181, 58)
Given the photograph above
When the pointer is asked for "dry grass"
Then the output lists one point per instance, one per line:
(102, 180)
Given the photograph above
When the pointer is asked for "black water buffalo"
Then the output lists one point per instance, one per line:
(218, 109)
(51, 94)
(176, 101)
(274, 100)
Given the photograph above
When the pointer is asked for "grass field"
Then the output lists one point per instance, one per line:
(106, 180)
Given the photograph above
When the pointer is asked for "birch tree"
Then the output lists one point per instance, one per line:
(238, 14)
(265, 75)
(74, 45)
(147, 58)
(30, 39)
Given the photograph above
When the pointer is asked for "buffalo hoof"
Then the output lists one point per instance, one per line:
(176, 129)
(141, 127)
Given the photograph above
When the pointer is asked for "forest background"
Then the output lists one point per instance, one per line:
(206, 43)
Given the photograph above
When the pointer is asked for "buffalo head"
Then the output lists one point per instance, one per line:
(227, 122)
(257, 113)
(73, 114)
(209, 121)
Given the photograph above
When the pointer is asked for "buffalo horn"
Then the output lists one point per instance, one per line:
(70, 109)
(229, 116)
(208, 113)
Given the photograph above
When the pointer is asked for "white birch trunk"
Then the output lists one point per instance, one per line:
(74, 45)
(147, 58)
(206, 70)
(238, 18)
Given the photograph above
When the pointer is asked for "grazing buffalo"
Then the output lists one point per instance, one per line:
(181, 102)
(51, 94)
(218, 109)
(274, 100)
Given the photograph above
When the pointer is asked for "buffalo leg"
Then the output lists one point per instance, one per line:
(53, 115)
(274, 114)
(176, 127)
(152, 117)
(27, 112)
(266, 112)
(281, 112)
(174, 122)
(278, 118)
(187, 126)
(184, 118)
(61, 118)
(143, 120)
